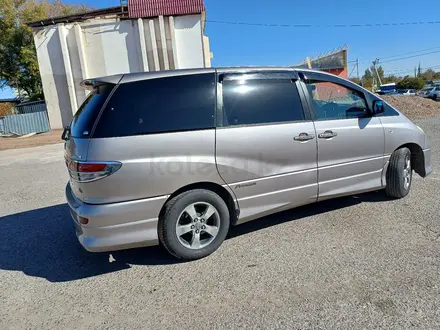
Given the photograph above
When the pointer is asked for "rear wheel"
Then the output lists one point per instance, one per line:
(399, 173)
(194, 224)
(434, 97)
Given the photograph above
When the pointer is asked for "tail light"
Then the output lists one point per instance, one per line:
(91, 171)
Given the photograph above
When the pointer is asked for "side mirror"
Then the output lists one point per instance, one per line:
(378, 107)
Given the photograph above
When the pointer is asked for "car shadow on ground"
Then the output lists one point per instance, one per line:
(42, 242)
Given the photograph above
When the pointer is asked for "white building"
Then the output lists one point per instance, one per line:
(111, 41)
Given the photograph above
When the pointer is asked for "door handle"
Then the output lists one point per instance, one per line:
(304, 137)
(327, 135)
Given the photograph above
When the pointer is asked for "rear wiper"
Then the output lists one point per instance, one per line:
(66, 133)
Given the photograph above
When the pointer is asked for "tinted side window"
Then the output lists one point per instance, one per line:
(159, 105)
(255, 101)
(334, 101)
(84, 119)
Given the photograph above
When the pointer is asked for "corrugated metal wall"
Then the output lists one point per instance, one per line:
(26, 123)
(30, 118)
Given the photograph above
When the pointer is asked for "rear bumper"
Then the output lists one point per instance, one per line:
(116, 226)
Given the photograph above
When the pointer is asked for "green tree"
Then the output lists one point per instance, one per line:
(419, 71)
(18, 57)
(367, 79)
(411, 83)
(390, 79)
(356, 81)
(381, 73)
(428, 74)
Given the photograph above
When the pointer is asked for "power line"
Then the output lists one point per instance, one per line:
(414, 52)
(354, 67)
(396, 72)
(399, 59)
(323, 25)
(404, 58)
(392, 56)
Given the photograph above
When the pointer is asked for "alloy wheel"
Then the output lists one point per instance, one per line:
(198, 225)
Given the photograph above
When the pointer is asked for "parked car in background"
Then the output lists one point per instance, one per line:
(430, 92)
(410, 92)
(435, 94)
(177, 157)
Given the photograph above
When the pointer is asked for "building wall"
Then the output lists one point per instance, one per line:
(189, 42)
(207, 50)
(69, 53)
(343, 72)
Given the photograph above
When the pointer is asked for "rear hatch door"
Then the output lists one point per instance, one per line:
(77, 135)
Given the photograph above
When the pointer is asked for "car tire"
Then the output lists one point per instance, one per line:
(399, 174)
(434, 97)
(187, 231)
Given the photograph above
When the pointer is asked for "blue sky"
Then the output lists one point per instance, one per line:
(256, 45)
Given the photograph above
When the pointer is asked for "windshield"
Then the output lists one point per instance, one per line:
(85, 117)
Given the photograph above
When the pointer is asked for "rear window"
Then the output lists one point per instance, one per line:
(87, 113)
(161, 105)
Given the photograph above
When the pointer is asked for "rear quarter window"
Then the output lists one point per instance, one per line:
(161, 105)
(84, 119)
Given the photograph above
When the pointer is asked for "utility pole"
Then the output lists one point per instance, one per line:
(376, 79)
(357, 68)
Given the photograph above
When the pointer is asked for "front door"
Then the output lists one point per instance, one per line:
(266, 146)
(350, 139)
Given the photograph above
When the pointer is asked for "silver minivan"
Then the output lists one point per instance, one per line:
(177, 157)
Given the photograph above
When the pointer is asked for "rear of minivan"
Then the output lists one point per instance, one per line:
(135, 140)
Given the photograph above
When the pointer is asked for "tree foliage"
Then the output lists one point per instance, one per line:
(430, 75)
(419, 70)
(367, 78)
(381, 73)
(406, 82)
(18, 58)
(411, 83)
(356, 81)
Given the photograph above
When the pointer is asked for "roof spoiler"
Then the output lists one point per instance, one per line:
(92, 83)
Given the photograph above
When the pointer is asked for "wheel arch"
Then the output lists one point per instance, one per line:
(417, 157)
(223, 192)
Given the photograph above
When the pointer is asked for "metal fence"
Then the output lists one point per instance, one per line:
(30, 107)
(30, 117)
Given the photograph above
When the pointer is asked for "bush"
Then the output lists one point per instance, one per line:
(411, 83)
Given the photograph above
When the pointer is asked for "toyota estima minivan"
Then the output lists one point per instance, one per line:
(177, 157)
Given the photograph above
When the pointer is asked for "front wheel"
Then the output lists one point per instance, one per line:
(399, 173)
(434, 97)
(194, 224)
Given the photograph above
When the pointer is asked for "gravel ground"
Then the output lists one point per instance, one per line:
(359, 262)
(51, 137)
(414, 107)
